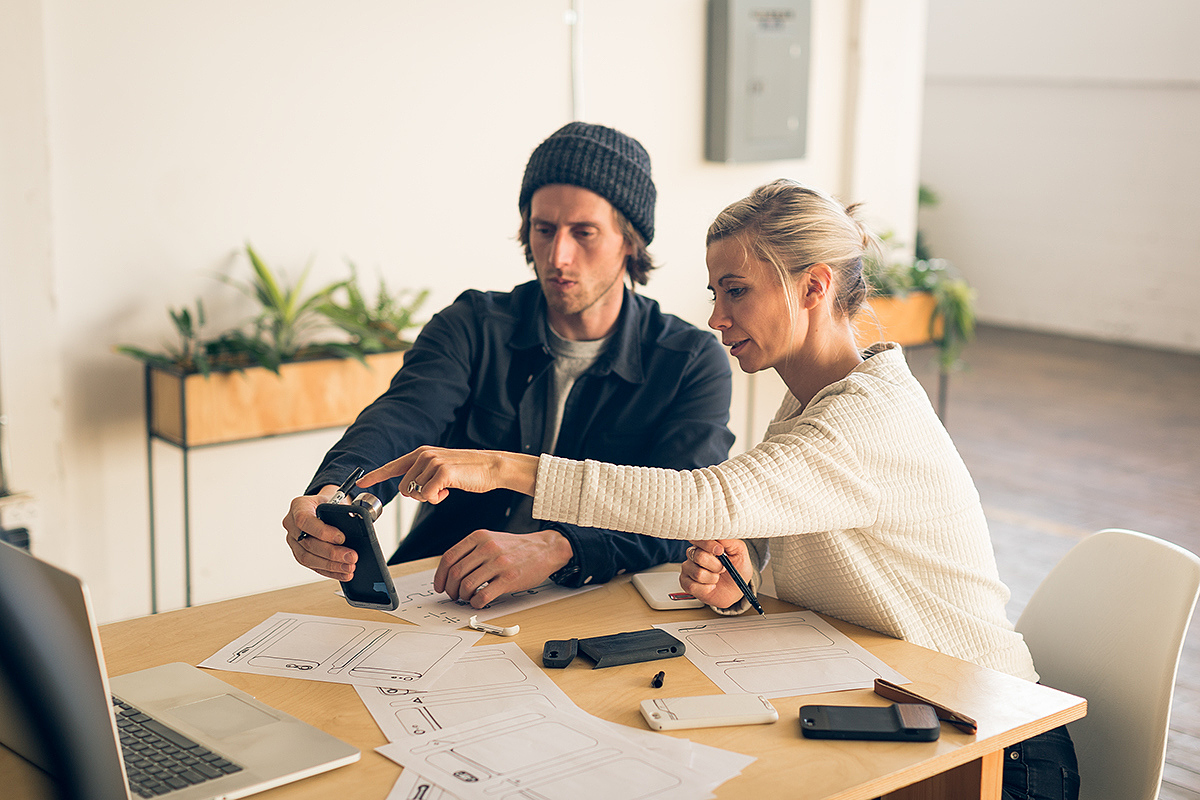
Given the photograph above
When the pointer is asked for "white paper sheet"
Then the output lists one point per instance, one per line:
(713, 765)
(779, 655)
(421, 605)
(338, 650)
(544, 753)
(486, 680)
(411, 786)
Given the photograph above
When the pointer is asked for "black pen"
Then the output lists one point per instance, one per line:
(737, 578)
(347, 485)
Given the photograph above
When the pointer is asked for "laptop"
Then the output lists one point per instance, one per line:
(59, 710)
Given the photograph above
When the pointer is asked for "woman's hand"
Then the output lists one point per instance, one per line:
(429, 473)
(703, 576)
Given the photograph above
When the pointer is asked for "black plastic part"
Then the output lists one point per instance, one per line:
(910, 722)
(557, 653)
(371, 586)
(631, 647)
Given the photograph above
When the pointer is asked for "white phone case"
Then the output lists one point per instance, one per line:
(708, 711)
(661, 591)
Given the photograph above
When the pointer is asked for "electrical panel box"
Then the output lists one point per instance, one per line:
(758, 64)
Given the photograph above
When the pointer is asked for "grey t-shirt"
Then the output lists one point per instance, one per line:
(571, 359)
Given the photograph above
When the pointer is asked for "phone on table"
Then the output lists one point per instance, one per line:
(371, 586)
(707, 711)
(661, 591)
(899, 722)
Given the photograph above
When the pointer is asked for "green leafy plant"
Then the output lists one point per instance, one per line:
(190, 353)
(377, 327)
(287, 325)
(956, 305)
(286, 317)
(895, 275)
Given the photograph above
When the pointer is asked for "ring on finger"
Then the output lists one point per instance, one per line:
(414, 487)
(480, 588)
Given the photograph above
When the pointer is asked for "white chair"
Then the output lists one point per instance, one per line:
(1108, 624)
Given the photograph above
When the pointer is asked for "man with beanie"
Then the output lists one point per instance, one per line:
(573, 363)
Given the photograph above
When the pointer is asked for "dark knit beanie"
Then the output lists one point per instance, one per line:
(603, 160)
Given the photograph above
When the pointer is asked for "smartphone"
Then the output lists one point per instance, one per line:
(371, 586)
(899, 722)
(708, 711)
(661, 591)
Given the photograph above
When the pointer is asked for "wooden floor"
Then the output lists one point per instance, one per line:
(1065, 437)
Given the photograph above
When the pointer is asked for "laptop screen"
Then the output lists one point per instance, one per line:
(55, 707)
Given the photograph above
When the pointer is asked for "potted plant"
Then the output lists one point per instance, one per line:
(373, 328)
(275, 375)
(919, 300)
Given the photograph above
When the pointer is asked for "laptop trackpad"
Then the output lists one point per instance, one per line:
(222, 716)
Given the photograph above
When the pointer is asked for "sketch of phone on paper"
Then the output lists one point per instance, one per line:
(487, 680)
(778, 656)
(344, 651)
(555, 759)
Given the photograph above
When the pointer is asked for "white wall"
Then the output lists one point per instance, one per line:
(1062, 138)
(31, 369)
(143, 143)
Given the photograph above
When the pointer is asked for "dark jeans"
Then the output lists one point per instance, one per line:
(1042, 768)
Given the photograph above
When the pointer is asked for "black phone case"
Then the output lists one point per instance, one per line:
(371, 586)
(558, 653)
(631, 647)
(910, 722)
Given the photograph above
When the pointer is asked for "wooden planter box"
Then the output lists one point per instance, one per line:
(192, 410)
(908, 320)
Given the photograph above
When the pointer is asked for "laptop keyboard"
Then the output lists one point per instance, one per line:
(160, 760)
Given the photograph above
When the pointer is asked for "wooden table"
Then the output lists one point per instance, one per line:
(956, 766)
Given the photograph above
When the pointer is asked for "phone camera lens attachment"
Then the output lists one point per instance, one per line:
(370, 503)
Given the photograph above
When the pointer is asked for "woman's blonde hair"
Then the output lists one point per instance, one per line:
(793, 227)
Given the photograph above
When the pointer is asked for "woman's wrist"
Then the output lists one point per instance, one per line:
(518, 472)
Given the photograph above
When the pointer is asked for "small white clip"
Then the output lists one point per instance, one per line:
(511, 630)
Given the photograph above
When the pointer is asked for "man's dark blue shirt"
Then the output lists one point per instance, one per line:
(477, 377)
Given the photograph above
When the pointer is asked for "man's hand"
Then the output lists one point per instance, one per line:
(703, 576)
(319, 548)
(487, 564)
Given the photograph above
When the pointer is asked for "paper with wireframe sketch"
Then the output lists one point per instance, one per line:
(779, 655)
(336, 650)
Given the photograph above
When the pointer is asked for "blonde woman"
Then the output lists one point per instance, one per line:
(856, 493)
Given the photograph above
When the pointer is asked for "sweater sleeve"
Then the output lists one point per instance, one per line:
(807, 479)
(693, 434)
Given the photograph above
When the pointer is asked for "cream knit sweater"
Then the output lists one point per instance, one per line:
(870, 513)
